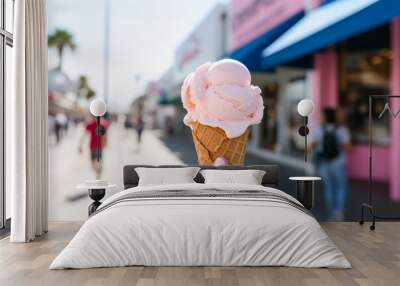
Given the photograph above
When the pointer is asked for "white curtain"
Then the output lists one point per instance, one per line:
(27, 157)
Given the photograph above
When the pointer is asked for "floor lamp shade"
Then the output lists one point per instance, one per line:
(305, 107)
(98, 107)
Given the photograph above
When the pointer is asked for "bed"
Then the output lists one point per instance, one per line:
(197, 224)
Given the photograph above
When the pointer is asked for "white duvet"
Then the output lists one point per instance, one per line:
(200, 231)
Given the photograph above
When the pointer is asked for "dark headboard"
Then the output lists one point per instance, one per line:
(271, 177)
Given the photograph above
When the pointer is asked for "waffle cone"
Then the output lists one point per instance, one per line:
(212, 142)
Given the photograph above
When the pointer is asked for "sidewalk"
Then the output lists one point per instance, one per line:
(68, 168)
(184, 148)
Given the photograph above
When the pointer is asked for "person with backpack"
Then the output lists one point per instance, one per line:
(330, 143)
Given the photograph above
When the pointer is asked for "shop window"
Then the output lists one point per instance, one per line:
(362, 74)
(296, 90)
(269, 124)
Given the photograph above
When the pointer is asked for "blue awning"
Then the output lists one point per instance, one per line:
(250, 54)
(328, 25)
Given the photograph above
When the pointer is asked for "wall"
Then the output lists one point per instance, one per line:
(395, 123)
(252, 18)
(358, 162)
(207, 42)
(325, 84)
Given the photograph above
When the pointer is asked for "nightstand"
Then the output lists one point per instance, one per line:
(305, 190)
(96, 193)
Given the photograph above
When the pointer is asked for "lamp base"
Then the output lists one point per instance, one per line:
(305, 193)
(96, 195)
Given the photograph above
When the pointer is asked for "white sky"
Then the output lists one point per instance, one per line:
(144, 35)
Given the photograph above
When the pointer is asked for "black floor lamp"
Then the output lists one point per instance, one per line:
(370, 205)
(305, 108)
(98, 108)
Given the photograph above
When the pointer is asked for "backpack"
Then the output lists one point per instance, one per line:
(330, 145)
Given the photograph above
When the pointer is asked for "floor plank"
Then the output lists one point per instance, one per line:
(375, 257)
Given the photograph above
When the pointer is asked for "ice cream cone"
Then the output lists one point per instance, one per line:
(212, 142)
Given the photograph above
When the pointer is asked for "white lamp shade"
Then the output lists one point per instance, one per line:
(305, 107)
(98, 107)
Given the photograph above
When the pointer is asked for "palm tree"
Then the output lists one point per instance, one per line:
(60, 39)
(82, 82)
(90, 93)
(84, 90)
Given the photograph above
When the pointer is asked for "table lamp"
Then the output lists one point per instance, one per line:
(305, 108)
(98, 108)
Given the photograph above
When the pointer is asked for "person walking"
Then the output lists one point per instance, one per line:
(90, 129)
(139, 126)
(51, 128)
(59, 123)
(330, 143)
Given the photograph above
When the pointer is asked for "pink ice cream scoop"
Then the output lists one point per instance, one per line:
(220, 94)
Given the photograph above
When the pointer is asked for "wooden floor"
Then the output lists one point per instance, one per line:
(375, 257)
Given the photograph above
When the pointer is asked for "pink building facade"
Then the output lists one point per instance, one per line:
(251, 19)
(328, 81)
(386, 159)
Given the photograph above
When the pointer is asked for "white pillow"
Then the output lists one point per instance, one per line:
(248, 177)
(163, 176)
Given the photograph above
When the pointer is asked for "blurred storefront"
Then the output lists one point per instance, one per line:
(207, 42)
(254, 25)
(63, 95)
(335, 52)
(346, 51)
